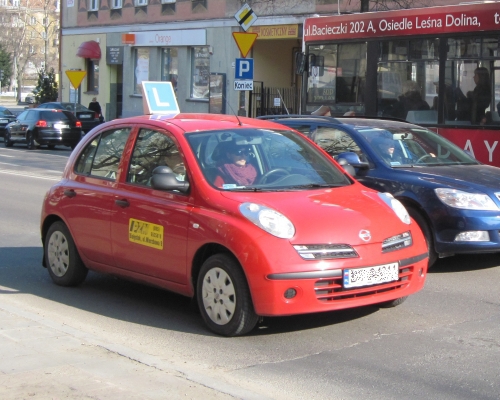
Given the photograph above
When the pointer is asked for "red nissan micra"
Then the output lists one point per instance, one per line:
(247, 216)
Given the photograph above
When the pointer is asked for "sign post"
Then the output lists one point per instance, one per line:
(76, 78)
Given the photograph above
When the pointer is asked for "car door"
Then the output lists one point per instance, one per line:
(90, 195)
(17, 129)
(149, 227)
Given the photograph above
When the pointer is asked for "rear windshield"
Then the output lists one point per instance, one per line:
(57, 116)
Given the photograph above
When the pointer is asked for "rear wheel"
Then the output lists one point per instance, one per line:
(63, 262)
(426, 230)
(6, 140)
(224, 297)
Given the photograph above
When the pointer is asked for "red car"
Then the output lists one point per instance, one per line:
(169, 201)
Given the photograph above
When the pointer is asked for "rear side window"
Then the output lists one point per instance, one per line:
(101, 157)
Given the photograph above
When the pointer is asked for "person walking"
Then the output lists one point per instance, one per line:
(96, 107)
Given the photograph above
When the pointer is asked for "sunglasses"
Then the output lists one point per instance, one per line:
(240, 152)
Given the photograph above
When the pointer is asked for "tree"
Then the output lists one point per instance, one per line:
(46, 90)
(5, 66)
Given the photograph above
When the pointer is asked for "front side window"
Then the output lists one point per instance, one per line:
(102, 156)
(200, 68)
(141, 62)
(151, 150)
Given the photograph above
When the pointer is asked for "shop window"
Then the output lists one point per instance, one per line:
(169, 69)
(141, 68)
(200, 68)
(92, 76)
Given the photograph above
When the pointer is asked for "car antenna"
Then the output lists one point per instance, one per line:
(283, 101)
(236, 115)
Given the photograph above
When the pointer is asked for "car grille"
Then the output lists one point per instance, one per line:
(325, 251)
(332, 290)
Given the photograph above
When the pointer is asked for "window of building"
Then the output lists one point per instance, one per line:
(200, 69)
(141, 3)
(92, 76)
(15, 3)
(44, 35)
(169, 62)
(196, 4)
(167, 1)
(116, 4)
(33, 21)
(141, 62)
(93, 5)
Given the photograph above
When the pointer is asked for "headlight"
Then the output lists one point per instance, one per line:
(268, 219)
(465, 200)
(398, 208)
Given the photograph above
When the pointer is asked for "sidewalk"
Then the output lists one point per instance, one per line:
(40, 359)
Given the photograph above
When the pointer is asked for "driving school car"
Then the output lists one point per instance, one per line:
(137, 199)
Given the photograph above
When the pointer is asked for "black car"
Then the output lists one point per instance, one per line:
(454, 198)
(36, 126)
(88, 118)
(6, 116)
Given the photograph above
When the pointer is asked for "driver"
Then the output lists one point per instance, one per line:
(235, 168)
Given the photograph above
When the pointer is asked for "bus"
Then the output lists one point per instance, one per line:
(438, 67)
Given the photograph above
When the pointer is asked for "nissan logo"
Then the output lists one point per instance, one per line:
(365, 235)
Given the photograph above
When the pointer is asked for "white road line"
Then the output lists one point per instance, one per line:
(4, 155)
(6, 163)
(30, 175)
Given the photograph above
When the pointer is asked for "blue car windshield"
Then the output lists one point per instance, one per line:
(263, 160)
(401, 146)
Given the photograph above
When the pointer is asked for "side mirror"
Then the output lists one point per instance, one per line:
(164, 179)
(351, 158)
(347, 167)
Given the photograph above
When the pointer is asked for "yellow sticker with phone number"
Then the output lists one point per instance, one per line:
(145, 233)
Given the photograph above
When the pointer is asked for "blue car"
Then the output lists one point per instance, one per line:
(454, 198)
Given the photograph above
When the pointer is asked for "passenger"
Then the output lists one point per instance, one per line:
(410, 100)
(473, 106)
(234, 167)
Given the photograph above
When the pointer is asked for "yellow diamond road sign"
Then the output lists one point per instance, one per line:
(245, 17)
(244, 41)
(76, 77)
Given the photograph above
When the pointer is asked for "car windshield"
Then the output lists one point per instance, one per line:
(402, 146)
(263, 160)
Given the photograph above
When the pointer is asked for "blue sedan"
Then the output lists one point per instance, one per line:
(454, 198)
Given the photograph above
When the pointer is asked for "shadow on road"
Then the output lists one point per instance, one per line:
(465, 262)
(21, 271)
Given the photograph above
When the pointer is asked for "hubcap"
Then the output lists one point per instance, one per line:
(58, 254)
(219, 297)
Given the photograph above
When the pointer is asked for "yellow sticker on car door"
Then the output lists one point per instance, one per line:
(145, 233)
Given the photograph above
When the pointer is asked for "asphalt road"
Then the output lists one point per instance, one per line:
(442, 343)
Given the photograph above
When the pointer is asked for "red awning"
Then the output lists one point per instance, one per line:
(89, 49)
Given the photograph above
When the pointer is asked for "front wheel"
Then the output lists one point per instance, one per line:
(6, 140)
(426, 230)
(393, 303)
(224, 297)
(65, 266)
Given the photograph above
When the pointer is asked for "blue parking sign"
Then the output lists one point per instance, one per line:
(159, 98)
(244, 69)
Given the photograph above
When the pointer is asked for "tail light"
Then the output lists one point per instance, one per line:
(78, 124)
(41, 124)
(96, 115)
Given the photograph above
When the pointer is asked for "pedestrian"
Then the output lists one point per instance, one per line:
(96, 107)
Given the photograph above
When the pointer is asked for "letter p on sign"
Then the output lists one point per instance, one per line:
(244, 68)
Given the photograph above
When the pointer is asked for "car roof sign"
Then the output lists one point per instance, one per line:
(159, 98)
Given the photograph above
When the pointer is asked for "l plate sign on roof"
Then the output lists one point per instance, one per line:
(159, 98)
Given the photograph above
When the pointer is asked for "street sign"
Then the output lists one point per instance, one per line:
(243, 85)
(76, 77)
(245, 17)
(159, 98)
(244, 68)
(244, 41)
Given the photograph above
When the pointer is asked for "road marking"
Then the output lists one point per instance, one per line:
(3, 155)
(29, 175)
(6, 163)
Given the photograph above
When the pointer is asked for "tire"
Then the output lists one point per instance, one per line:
(426, 230)
(6, 140)
(224, 297)
(30, 141)
(393, 303)
(61, 257)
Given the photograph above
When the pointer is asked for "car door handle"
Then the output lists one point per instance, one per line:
(69, 193)
(122, 203)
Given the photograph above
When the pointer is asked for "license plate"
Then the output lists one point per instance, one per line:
(357, 277)
(85, 116)
(61, 126)
(4, 121)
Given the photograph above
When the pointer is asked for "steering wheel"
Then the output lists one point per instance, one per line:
(423, 158)
(264, 177)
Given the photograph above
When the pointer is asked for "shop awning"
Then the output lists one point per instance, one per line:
(90, 49)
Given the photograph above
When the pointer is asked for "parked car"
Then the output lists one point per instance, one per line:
(37, 126)
(88, 118)
(454, 198)
(6, 116)
(30, 99)
(138, 199)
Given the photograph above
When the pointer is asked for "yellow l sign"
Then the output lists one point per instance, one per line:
(76, 77)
